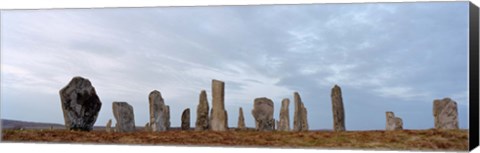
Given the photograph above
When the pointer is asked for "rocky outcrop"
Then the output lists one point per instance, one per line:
(202, 122)
(159, 113)
(300, 122)
(218, 118)
(186, 119)
(80, 104)
(123, 113)
(284, 122)
(263, 114)
(108, 127)
(445, 113)
(393, 123)
(241, 119)
(337, 109)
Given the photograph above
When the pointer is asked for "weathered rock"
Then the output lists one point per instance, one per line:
(390, 123)
(337, 109)
(202, 122)
(147, 127)
(80, 104)
(108, 128)
(284, 122)
(263, 114)
(393, 123)
(300, 122)
(445, 113)
(158, 112)
(398, 123)
(123, 113)
(186, 119)
(218, 118)
(167, 114)
(241, 120)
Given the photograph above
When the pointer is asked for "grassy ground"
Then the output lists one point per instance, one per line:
(453, 140)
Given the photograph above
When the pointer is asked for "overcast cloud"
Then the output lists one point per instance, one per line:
(385, 56)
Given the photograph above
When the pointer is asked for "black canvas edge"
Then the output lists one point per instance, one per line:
(473, 77)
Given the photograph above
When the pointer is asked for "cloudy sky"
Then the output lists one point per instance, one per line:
(385, 56)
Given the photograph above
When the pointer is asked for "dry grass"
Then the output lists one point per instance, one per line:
(453, 140)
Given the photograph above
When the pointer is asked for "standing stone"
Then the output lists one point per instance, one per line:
(241, 120)
(393, 123)
(186, 119)
(300, 122)
(123, 113)
(337, 109)
(80, 104)
(218, 118)
(390, 123)
(167, 114)
(147, 127)
(108, 128)
(202, 122)
(158, 111)
(284, 122)
(445, 113)
(398, 123)
(263, 114)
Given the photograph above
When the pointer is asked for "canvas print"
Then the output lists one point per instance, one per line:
(366, 76)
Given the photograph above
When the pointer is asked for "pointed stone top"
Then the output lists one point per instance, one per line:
(203, 90)
(79, 81)
(336, 86)
(78, 78)
(155, 91)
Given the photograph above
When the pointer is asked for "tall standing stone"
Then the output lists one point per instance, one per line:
(80, 104)
(337, 109)
(284, 122)
(167, 114)
(300, 122)
(158, 111)
(263, 114)
(108, 128)
(186, 119)
(123, 113)
(393, 123)
(390, 123)
(218, 120)
(241, 119)
(202, 122)
(445, 113)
